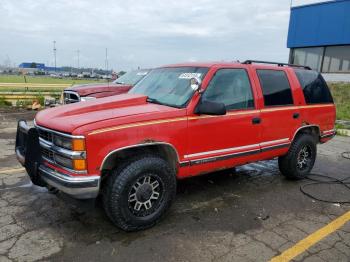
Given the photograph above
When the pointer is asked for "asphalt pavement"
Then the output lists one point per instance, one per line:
(252, 214)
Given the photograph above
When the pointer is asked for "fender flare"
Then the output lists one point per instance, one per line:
(303, 127)
(115, 151)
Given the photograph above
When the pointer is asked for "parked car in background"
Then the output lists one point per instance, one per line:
(86, 92)
(180, 121)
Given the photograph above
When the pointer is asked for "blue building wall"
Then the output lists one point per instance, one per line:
(320, 24)
(30, 64)
(40, 66)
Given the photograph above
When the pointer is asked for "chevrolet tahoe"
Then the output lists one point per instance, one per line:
(180, 121)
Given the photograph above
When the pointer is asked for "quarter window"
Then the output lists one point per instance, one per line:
(231, 87)
(314, 87)
(275, 87)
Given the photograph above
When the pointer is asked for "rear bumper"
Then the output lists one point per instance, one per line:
(29, 155)
(327, 135)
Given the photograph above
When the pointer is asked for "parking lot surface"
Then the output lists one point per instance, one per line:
(251, 214)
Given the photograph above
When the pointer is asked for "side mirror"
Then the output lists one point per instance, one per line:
(195, 83)
(210, 108)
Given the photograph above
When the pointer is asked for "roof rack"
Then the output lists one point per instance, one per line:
(248, 62)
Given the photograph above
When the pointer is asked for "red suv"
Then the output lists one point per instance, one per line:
(179, 121)
(87, 92)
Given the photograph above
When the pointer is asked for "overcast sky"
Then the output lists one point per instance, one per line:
(141, 32)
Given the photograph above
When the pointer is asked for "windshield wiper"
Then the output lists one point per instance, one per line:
(121, 83)
(153, 100)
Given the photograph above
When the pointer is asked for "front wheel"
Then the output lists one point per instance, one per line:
(300, 159)
(139, 193)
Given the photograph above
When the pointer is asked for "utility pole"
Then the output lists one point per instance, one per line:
(78, 52)
(54, 52)
(106, 60)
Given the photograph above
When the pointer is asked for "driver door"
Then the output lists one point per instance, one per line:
(222, 141)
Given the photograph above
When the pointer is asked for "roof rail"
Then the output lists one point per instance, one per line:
(274, 63)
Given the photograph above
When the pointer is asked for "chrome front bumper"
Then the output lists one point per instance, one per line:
(28, 145)
(76, 186)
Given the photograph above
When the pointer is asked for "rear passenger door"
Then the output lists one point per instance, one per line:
(280, 118)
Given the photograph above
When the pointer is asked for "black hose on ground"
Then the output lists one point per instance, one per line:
(328, 180)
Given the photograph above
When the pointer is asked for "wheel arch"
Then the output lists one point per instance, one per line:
(308, 129)
(165, 150)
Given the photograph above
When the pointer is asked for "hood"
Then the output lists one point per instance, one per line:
(69, 117)
(88, 89)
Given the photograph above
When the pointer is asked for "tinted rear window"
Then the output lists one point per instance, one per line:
(314, 87)
(275, 87)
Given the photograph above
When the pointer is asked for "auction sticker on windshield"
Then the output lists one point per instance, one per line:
(189, 75)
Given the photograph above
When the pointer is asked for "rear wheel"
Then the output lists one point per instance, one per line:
(138, 194)
(300, 159)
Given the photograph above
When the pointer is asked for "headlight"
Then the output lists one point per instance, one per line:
(66, 159)
(75, 144)
(75, 164)
(63, 161)
(87, 98)
(64, 142)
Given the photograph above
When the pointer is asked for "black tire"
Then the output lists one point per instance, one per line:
(131, 184)
(300, 159)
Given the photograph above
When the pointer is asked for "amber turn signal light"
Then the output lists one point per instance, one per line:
(78, 144)
(79, 164)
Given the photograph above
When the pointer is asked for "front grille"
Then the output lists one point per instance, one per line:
(70, 97)
(47, 154)
(47, 136)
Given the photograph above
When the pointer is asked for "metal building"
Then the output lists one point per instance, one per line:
(319, 36)
(32, 65)
(38, 66)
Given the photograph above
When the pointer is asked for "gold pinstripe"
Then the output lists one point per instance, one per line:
(177, 119)
(147, 123)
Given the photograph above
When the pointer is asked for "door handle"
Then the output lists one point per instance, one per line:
(256, 120)
(296, 115)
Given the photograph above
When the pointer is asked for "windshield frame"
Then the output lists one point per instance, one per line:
(205, 69)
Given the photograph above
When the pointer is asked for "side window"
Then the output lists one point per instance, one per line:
(231, 87)
(275, 87)
(314, 87)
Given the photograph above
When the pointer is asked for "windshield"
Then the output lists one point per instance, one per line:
(131, 78)
(169, 86)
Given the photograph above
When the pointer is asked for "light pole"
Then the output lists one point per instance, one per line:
(78, 52)
(54, 52)
(106, 61)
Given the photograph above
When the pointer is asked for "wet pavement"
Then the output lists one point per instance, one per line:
(252, 214)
